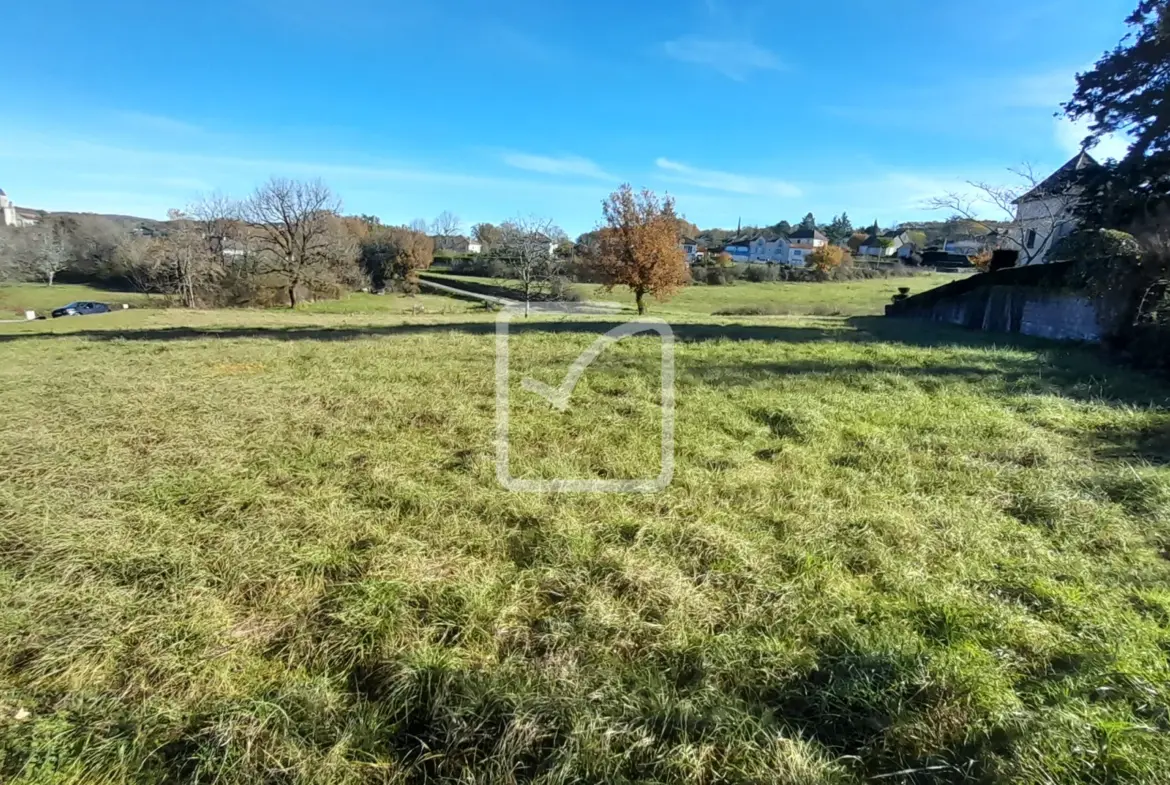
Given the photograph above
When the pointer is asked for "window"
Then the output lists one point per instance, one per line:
(1031, 242)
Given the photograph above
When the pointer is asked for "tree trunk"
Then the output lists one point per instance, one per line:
(527, 289)
(52, 275)
(639, 297)
(292, 296)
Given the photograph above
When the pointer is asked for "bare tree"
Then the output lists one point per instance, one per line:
(46, 251)
(293, 225)
(9, 263)
(217, 220)
(447, 225)
(1036, 221)
(486, 235)
(420, 225)
(182, 263)
(139, 260)
(525, 251)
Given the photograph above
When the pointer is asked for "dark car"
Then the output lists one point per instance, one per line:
(81, 309)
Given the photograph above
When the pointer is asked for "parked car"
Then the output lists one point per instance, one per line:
(81, 309)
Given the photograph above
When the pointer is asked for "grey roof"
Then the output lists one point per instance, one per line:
(1080, 167)
(807, 234)
(2, 192)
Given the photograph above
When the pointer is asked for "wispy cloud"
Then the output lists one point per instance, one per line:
(736, 60)
(1071, 135)
(146, 180)
(725, 181)
(159, 123)
(571, 165)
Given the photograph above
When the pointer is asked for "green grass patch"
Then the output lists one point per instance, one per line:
(270, 546)
(834, 298)
(390, 303)
(16, 298)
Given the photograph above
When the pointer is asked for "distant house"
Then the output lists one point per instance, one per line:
(11, 215)
(800, 244)
(1046, 213)
(457, 244)
(690, 247)
(892, 243)
(739, 249)
(790, 250)
(968, 247)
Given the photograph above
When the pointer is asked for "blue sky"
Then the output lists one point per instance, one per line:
(757, 111)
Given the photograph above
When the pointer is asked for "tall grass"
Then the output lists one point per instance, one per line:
(277, 552)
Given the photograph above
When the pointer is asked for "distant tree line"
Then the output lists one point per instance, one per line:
(285, 242)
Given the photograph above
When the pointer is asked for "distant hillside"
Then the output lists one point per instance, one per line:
(938, 232)
(122, 221)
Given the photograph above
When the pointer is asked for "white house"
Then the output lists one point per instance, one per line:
(11, 216)
(1045, 214)
(457, 244)
(800, 244)
(690, 247)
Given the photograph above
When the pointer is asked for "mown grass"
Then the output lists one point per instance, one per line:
(268, 547)
(16, 298)
(835, 298)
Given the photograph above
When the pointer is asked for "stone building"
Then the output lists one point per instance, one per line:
(11, 215)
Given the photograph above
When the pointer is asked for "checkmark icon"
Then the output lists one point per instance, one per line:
(558, 396)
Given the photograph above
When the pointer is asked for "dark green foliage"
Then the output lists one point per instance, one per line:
(1125, 92)
(782, 228)
(839, 230)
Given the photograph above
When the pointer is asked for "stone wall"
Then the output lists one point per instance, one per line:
(1010, 301)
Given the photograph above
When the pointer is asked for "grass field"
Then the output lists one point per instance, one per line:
(270, 547)
(845, 298)
(17, 298)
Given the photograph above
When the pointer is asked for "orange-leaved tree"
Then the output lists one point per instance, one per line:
(826, 259)
(638, 245)
(981, 261)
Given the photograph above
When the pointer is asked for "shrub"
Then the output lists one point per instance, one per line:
(761, 273)
(562, 289)
(754, 310)
(1095, 244)
(721, 276)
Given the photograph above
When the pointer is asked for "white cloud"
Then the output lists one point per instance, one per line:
(1070, 135)
(726, 181)
(559, 165)
(734, 59)
(159, 123)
